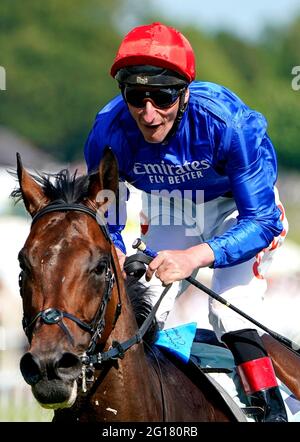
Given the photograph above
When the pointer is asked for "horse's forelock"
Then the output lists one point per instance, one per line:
(63, 186)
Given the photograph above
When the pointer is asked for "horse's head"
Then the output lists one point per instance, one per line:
(66, 283)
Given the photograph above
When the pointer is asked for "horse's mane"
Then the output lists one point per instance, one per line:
(63, 186)
(140, 298)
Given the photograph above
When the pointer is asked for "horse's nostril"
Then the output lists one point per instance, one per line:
(68, 366)
(30, 369)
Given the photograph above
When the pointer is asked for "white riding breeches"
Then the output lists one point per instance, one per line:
(243, 285)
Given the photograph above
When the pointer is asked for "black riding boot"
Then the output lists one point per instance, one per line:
(256, 372)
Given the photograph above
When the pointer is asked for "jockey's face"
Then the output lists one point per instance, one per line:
(154, 122)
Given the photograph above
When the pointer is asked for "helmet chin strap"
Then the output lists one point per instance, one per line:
(181, 109)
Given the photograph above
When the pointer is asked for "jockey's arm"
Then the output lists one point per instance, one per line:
(175, 265)
(251, 173)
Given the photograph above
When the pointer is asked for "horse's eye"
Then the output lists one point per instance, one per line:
(101, 268)
(21, 279)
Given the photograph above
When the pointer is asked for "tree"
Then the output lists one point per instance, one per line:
(57, 56)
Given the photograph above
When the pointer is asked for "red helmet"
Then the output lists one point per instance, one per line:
(156, 45)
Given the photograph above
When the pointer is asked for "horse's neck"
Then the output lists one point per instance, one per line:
(286, 364)
(137, 390)
(130, 384)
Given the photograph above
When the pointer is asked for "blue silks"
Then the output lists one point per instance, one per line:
(221, 147)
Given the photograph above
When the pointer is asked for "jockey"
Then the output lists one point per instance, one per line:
(208, 169)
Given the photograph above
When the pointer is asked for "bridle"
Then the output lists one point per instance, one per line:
(53, 315)
(92, 359)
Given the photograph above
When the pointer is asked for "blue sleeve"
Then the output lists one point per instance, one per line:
(93, 151)
(252, 169)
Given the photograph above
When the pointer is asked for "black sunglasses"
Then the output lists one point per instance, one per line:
(161, 98)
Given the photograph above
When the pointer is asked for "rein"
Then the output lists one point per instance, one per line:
(118, 349)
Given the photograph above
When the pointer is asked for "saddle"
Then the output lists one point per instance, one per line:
(201, 378)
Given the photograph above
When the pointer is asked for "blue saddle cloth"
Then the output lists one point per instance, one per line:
(179, 340)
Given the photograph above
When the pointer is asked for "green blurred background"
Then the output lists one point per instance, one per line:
(57, 55)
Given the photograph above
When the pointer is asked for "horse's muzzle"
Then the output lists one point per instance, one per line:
(52, 377)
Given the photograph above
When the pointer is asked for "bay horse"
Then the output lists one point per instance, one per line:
(77, 313)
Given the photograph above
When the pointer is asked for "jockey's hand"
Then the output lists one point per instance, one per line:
(175, 265)
(121, 257)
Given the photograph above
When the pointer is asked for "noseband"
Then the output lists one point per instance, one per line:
(53, 315)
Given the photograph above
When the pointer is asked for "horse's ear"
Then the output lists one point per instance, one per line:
(104, 184)
(109, 170)
(32, 193)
